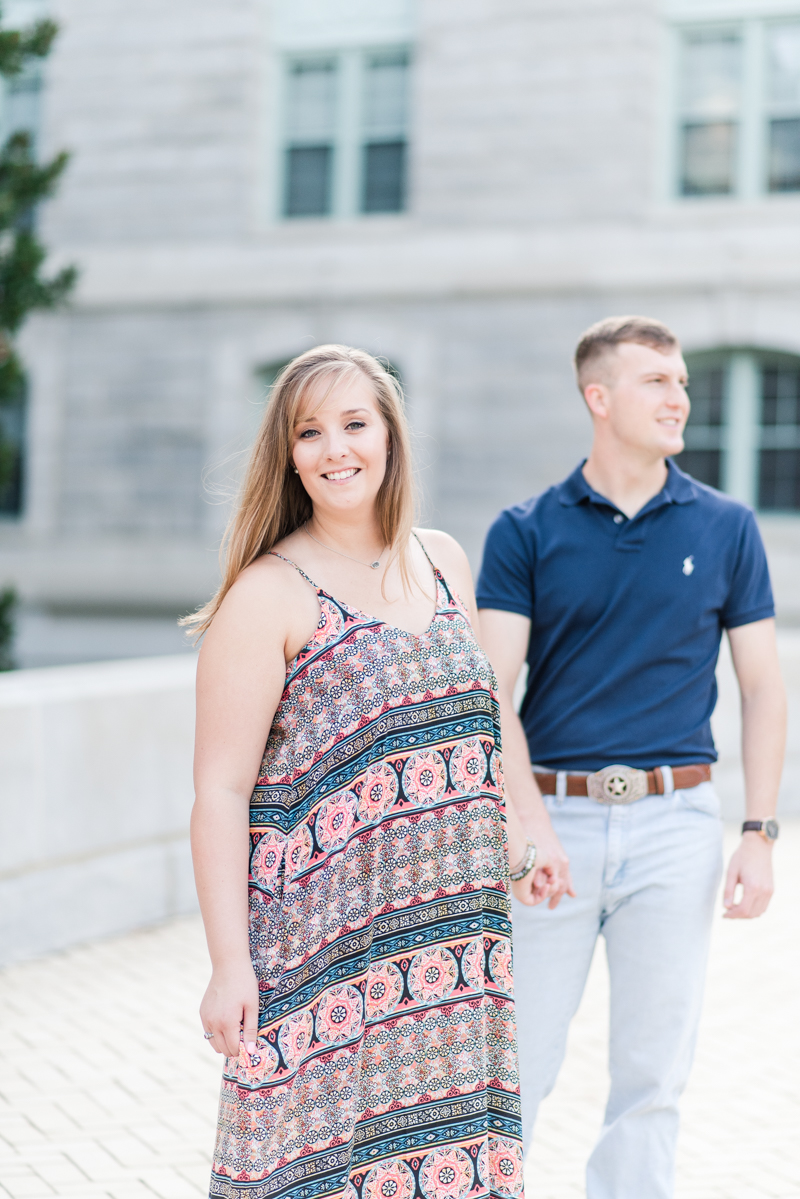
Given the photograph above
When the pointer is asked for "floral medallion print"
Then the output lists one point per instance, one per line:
(483, 1164)
(335, 819)
(468, 766)
(299, 847)
(378, 792)
(424, 777)
(446, 1174)
(384, 989)
(432, 975)
(255, 1067)
(265, 860)
(496, 769)
(390, 1180)
(500, 966)
(472, 963)
(294, 1038)
(339, 1015)
(505, 1166)
(385, 1065)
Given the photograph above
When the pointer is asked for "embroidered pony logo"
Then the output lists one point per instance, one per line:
(688, 565)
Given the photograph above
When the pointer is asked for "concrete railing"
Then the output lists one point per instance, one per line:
(95, 796)
(96, 790)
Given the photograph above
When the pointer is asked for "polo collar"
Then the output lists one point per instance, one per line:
(678, 489)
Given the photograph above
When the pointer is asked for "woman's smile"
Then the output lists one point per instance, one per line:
(339, 476)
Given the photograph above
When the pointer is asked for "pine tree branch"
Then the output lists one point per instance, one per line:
(17, 46)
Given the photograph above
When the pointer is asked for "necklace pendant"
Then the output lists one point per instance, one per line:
(374, 565)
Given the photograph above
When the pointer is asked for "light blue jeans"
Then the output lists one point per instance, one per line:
(646, 876)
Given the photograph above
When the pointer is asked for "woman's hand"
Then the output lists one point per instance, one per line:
(230, 1009)
(551, 878)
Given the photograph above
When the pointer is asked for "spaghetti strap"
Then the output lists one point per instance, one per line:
(434, 567)
(437, 574)
(283, 558)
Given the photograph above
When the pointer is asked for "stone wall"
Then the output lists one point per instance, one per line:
(96, 770)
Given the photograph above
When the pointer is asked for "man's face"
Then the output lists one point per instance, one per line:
(643, 398)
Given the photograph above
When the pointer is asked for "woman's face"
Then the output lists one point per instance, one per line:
(340, 450)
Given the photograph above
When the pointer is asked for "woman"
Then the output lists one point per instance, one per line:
(361, 985)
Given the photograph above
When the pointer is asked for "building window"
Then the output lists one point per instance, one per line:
(12, 453)
(738, 109)
(711, 67)
(345, 141)
(311, 130)
(743, 434)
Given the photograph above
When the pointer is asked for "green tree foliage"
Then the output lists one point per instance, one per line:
(24, 183)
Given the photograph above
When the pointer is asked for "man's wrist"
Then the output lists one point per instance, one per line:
(767, 829)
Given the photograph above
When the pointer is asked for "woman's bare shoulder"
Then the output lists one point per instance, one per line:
(444, 550)
(268, 595)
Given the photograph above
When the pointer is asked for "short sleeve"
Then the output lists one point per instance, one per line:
(750, 594)
(505, 581)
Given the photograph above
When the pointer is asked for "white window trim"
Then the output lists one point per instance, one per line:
(750, 18)
(347, 139)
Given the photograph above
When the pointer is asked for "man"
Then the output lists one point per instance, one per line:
(616, 585)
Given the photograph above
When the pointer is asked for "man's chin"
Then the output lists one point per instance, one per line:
(674, 446)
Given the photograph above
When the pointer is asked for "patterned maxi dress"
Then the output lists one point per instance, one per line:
(386, 1061)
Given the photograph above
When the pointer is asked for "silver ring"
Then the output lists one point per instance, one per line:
(208, 1035)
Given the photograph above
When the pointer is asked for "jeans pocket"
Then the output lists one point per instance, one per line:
(702, 798)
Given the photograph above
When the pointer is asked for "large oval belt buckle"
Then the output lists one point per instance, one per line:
(617, 784)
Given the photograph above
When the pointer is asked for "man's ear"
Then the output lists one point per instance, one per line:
(596, 397)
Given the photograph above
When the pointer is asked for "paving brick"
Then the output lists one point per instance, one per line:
(130, 1113)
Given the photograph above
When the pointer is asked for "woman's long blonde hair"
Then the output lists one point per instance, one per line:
(274, 502)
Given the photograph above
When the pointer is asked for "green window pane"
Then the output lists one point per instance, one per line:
(308, 180)
(384, 177)
(779, 480)
(784, 155)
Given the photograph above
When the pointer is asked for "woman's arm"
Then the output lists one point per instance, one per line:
(240, 678)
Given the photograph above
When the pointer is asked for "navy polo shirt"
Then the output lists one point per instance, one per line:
(626, 617)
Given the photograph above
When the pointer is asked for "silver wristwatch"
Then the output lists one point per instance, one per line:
(527, 864)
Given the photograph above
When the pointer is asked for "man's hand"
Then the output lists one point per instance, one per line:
(750, 866)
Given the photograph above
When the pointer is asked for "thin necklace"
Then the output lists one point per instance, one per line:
(371, 565)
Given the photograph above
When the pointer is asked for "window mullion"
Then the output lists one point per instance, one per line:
(740, 470)
(751, 145)
(348, 150)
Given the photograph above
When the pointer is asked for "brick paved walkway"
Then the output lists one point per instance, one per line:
(107, 1088)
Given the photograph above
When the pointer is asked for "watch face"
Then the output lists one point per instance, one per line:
(771, 829)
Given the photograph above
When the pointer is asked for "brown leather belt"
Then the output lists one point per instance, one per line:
(623, 784)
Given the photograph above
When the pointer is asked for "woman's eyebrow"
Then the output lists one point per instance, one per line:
(307, 420)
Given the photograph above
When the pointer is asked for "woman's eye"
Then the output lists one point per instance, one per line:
(307, 434)
(357, 424)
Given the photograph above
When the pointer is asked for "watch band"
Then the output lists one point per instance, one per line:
(767, 828)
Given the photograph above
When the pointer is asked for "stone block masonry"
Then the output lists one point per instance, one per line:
(95, 796)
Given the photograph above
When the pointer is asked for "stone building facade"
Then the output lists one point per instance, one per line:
(459, 185)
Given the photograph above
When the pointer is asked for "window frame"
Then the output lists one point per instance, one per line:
(349, 139)
(751, 165)
(741, 436)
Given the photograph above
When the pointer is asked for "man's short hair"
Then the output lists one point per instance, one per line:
(604, 336)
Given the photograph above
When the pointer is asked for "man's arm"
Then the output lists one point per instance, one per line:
(755, 659)
(504, 636)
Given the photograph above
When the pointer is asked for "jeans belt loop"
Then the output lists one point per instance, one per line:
(669, 783)
(561, 786)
